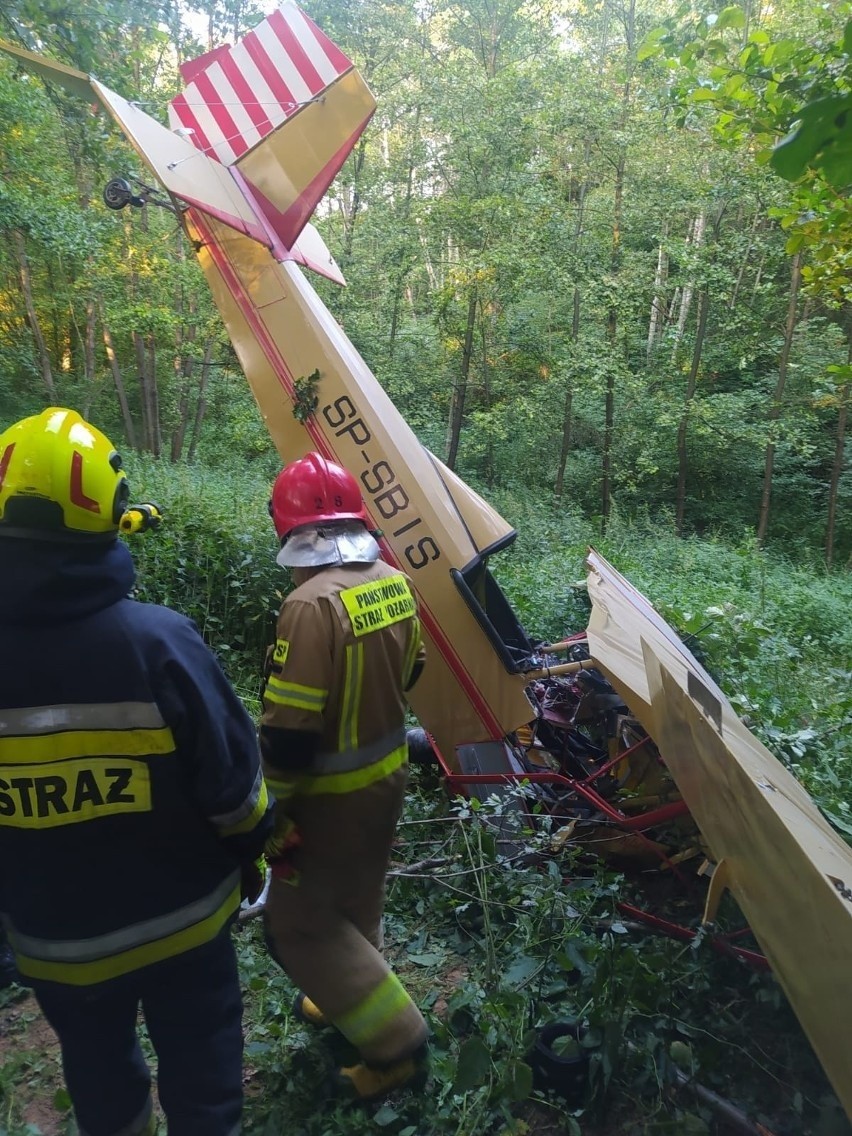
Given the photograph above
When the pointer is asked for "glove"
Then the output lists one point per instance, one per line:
(284, 834)
(281, 849)
(252, 879)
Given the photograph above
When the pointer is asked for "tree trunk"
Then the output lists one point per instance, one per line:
(460, 386)
(144, 402)
(201, 405)
(696, 239)
(486, 391)
(400, 278)
(629, 13)
(25, 278)
(612, 333)
(350, 199)
(691, 384)
(775, 409)
(836, 471)
(754, 230)
(657, 317)
(153, 395)
(184, 364)
(129, 429)
(568, 410)
(839, 446)
(89, 356)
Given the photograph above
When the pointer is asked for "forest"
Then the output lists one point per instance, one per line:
(605, 278)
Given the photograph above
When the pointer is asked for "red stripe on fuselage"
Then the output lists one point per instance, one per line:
(252, 316)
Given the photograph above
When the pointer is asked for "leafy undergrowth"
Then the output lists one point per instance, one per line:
(495, 944)
(495, 936)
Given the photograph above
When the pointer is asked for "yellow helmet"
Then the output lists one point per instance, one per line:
(59, 475)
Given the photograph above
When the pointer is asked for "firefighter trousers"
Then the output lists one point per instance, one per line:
(326, 930)
(193, 1010)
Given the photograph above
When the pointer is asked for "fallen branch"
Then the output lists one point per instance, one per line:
(732, 1116)
(421, 865)
(723, 1108)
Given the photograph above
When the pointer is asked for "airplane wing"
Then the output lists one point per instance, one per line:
(789, 871)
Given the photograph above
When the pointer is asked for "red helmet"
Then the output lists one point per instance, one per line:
(312, 490)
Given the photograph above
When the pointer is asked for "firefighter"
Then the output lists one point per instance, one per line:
(131, 799)
(332, 737)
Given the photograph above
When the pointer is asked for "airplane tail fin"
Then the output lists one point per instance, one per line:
(283, 108)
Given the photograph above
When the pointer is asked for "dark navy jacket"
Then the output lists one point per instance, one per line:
(130, 788)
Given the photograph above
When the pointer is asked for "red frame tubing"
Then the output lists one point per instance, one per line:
(720, 943)
(636, 824)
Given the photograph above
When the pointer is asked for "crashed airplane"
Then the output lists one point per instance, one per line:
(254, 142)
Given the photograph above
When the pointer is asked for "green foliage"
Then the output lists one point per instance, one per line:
(213, 559)
(306, 397)
(494, 944)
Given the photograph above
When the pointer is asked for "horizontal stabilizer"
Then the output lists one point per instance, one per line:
(311, 251)
(183, 171)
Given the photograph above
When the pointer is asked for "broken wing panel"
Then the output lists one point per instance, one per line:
(790, 872)
(779, 858)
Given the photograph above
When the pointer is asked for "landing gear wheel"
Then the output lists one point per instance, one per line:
(117, 193)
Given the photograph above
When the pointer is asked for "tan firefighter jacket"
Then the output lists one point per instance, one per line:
(348, 643)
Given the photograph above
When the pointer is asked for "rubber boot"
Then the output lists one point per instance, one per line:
(365, 1082)
(309, 1012)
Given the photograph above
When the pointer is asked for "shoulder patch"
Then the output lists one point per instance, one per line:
(280, 652)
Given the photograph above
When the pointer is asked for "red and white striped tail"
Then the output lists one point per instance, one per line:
(236, 96)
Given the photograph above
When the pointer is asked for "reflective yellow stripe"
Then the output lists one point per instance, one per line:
(112, 966)
(251, 819)
(86, 743)
(363, 1024)
(378, 604)
(295, 695)
(281, 789)
(412, 652)
(357, 779)
(351, 701)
